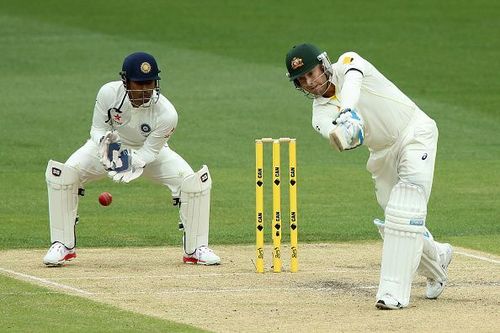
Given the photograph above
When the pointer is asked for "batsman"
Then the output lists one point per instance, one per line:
(355, 105)
(132, 123)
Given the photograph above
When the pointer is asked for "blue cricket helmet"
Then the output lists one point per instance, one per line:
(140, 66)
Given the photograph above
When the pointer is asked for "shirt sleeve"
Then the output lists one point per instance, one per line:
(158, 138)
(99, 124)
(323, 117)
(352, 67)
(351, 89)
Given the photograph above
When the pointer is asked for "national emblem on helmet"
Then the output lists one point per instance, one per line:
(302, 59)
(145, 67)
(140, 66)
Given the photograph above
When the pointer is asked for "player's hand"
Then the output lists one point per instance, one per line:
(130, 166)
(109, 149)
(349, 132)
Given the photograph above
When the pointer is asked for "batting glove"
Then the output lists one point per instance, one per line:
(349, 132)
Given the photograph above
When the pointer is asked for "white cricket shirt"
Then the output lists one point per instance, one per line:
(145, 129)
(385, 110)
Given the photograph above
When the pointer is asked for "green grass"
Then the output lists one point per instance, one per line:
(224, 73)
(222, 67)
(28, 308)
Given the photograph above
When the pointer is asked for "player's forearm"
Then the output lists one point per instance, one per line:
(323, 118)
(351, 89)
(324, 128)
(151, 148)
(97, 132)
(100, 124)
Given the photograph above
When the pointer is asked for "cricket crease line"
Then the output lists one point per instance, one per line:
(478, 257)
(201, 275)
(44, 281)
(234, 290)
(32, 293)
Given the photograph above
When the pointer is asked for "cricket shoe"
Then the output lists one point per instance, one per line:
(202, 256)
(387, 302)
(58, 254)
(435, 287)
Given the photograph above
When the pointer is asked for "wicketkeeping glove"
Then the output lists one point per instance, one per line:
(122, 164)
(110, 143)
(129, 166)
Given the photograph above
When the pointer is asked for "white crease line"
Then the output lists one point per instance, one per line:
(45, 282)
(478, 257)
(208, 275)
(233, 290)
(31, 293)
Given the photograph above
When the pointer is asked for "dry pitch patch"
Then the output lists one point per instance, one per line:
(334, 289)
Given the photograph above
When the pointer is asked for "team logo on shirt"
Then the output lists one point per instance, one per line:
(347, 60)
(297, 63)
(115, 116)
(145, 129)
(145, 67)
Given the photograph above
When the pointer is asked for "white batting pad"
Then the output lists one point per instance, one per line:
(430, 265)
(403, 241)
(430, 262)
(195, 209)
(62, 187)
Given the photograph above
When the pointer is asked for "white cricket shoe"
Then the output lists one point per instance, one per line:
(435, 287)
(387, 302)
(58, 254)
(202, 256)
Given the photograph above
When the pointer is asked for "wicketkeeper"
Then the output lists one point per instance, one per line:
(355, 105)
(131, 125)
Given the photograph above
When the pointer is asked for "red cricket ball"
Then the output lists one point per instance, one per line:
(105, 198)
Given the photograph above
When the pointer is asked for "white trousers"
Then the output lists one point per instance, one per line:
(168, 169)
(411, 159)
